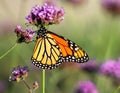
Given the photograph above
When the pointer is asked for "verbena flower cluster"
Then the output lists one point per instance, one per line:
(86, 87)
(35, 85)
(90, 66)
(45, 15)
(39, 16)
(19, 73)
(112, 6)
(24, 35)
(111, 68)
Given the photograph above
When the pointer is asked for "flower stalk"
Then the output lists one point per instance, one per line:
(19, 74)
(116, 90)
(43, 81)
(8, 51)
(30, 90)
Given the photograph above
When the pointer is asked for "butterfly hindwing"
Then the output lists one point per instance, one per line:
(52, 50)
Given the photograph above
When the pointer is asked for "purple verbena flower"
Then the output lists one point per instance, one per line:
(108, 67)
(35, 85)
(24, 35)
(91, 66)
(19, 73)
(117, 70)
(112, 6)
(111, 68)
(45, 15)
(86, 87)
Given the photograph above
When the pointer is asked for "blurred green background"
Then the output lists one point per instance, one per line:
(87, 24)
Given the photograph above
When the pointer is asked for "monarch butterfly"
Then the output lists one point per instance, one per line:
(51, 50)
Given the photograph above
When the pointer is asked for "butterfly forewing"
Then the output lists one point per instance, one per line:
(70, 51)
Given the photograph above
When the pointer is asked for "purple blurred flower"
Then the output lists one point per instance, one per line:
(3, 86)
(35, 85)
(19, 73)
(112, 6)
(111, 68)
(24, 35)
(91, 66)
(86, 87)
(45, 15)
(49, 2)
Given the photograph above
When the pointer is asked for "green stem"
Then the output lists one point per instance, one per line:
(8, 51)
(43, 81)
(112, 26)
(30, 90)
(116, 90)
(108, 50)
